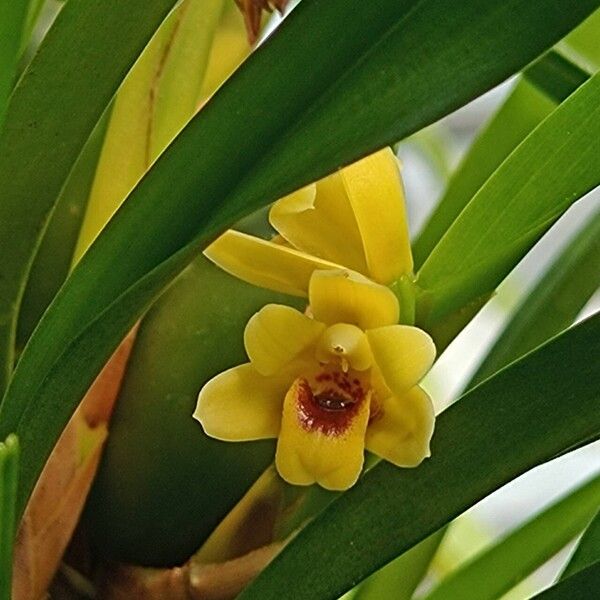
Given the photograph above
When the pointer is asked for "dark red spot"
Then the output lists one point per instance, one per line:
(323, 377)
(330, 411)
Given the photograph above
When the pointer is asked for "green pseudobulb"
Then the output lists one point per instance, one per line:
(164, 485)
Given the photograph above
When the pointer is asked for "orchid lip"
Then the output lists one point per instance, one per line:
(332, 409)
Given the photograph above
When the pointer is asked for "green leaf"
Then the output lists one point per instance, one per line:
(556, 76)
(510, 423)
(525, 108)
(552, 168)
(547, 82)
(582, 43)
(506, 563)
(35, 8)
(13, 14)
(583, 585)
(587, 551)
(385, 73)
(553, 304)
(54, 257)
(52, 112)
(400, 578)
(9, 461)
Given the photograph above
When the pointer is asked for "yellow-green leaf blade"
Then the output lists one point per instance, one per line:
(554, 166)
(9, 460)
(500, 567)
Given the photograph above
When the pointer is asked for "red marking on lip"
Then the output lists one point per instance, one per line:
(332, 409)
(323, 377)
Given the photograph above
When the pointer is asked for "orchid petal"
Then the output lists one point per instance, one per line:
(318, 219)
(320, 446)
(265, 264)
(343, 296)
(402, 427)
(241, 404)
(403, 354)
(277, 334)
(374, 189)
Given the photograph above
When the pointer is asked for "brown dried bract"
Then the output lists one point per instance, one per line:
(252, 11)
(58, 498)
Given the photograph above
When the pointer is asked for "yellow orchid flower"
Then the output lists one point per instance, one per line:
(354, 218)
(329, 384)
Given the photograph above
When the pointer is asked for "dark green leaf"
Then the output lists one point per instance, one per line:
(13, 14)
(510, 423)
(9, 462)
(54, 257)
(583, 585)
(553, 304)
(587, 551)
(499, 568)
(552, 168)
(288, 116)
(556, 76)
(52, 112)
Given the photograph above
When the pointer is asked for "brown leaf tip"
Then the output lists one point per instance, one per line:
(252, 11)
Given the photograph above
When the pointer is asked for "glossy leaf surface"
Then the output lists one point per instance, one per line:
(543, 85)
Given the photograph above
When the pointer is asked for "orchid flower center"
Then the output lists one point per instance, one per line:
(346, 346)
(329, 400)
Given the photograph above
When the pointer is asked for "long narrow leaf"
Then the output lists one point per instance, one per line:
(33, 13)
(553, 304)
(13, 14)
(9, 459)
(385, 72)
(582, 42)
(54, 257)
(500, 567)
(510, 423)
(546, 83)
(157, 98)
(587, 551)
(400, 578)
(52, 112)
(583, 585)
(556, 76)
(552, 168)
